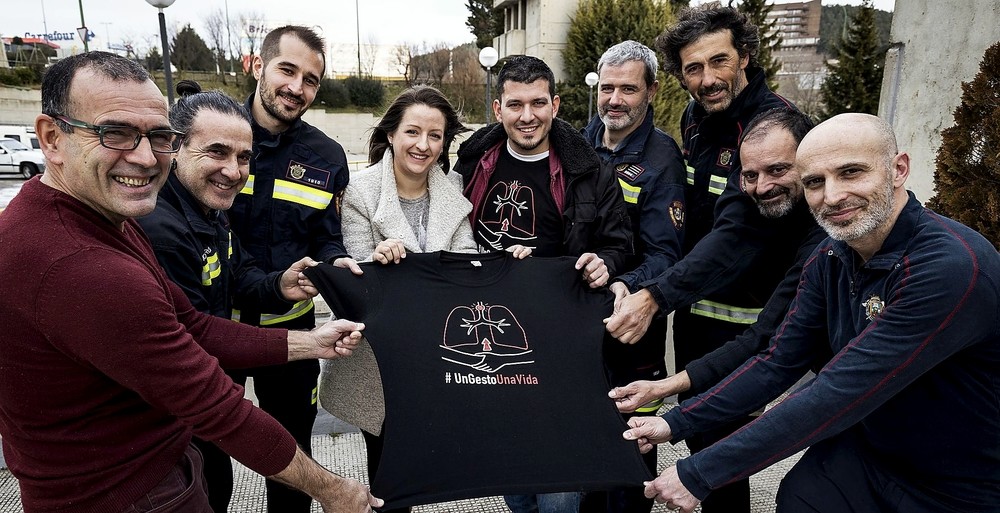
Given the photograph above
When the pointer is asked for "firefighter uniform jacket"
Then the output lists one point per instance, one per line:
(909, 345)
(650, 171)
(726, 235)
(200, 255)
(290, 206)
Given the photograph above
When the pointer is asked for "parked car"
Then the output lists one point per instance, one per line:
(21, 133)
(15, 157)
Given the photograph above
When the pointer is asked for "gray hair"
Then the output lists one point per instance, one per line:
(628, 51)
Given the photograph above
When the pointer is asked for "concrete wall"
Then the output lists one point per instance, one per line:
(19, 106)
(935, 47)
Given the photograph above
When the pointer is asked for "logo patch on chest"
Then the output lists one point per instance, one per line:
(725, 157)
(873, 307)
(629, 171)
(309, 175)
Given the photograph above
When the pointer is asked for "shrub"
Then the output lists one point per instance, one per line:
(967, 177)
(365, 92)
(333, 94)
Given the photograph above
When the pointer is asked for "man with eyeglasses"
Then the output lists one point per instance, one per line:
(108, 369)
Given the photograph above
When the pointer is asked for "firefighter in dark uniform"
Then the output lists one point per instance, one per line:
(650, 171)
(190, 234)
(731, 263)
(288, 209)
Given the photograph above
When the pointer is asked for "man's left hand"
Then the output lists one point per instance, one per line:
(668, 489)
(595, 273)
(294, 285)
(647, 432)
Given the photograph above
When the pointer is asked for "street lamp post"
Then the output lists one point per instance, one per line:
(488, 58)
(591, 79)
(161, 4)
(83, 29)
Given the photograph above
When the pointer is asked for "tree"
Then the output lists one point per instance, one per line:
(833, 26)
(967, 177)
(189, 52)
(215, 26)
(770, 39)
(484, 21)
(855, 78)
(599, 24)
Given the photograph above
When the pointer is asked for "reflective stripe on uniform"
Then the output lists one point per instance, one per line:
(248, 187)
(726, 313)
(717, 184)
(298, 310)
(230, 245)
(315, 395)
(211, 269)
(650, 406)
(690, 175)
(631, 192)
(301, 194)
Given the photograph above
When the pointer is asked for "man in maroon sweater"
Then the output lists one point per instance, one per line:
(106, 370)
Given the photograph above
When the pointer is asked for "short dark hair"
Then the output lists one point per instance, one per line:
(191, 101)
(420, 95)
(271, 46)
(695, 22)
(58, 79)
(794, 121)
(525, 69)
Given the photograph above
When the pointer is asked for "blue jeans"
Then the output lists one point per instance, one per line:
(565, 502)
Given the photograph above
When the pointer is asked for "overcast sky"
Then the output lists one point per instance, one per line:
(382, 21)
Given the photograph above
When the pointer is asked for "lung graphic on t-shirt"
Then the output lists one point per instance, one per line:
(510, 213)
(484, 337)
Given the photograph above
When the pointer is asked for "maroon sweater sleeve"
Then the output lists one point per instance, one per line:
(130, 325)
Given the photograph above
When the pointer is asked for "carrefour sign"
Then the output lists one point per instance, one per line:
(59, 36)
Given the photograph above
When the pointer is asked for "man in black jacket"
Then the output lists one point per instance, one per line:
(771, 180)
(533, 180)
(731, 262)
(650, 170)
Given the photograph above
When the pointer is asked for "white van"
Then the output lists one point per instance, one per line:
(23, 134)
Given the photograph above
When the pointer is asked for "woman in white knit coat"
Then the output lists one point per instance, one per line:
(404, 202)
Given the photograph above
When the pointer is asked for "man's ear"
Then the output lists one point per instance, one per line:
(555, 105)
(257, 66)
(50, 138)
(900, 169)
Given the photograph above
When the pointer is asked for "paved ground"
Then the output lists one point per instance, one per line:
(342, 450)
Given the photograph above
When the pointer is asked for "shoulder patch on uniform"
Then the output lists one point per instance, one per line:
(308, 175)
(676, 211)
(629, 171)
(725, 157)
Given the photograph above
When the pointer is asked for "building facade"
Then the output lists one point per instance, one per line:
(536, 27)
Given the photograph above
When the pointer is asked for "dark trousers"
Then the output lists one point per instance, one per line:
(373, 448)
(835, 476)
(181, 491)
(694, 337)
(288, 393)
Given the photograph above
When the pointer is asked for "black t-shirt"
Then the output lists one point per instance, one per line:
(492, 376)
(519, 208)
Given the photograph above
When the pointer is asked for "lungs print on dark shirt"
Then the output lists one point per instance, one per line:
(508, 217)
(485, 337)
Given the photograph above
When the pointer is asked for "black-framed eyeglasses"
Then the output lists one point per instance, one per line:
(126, 138)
